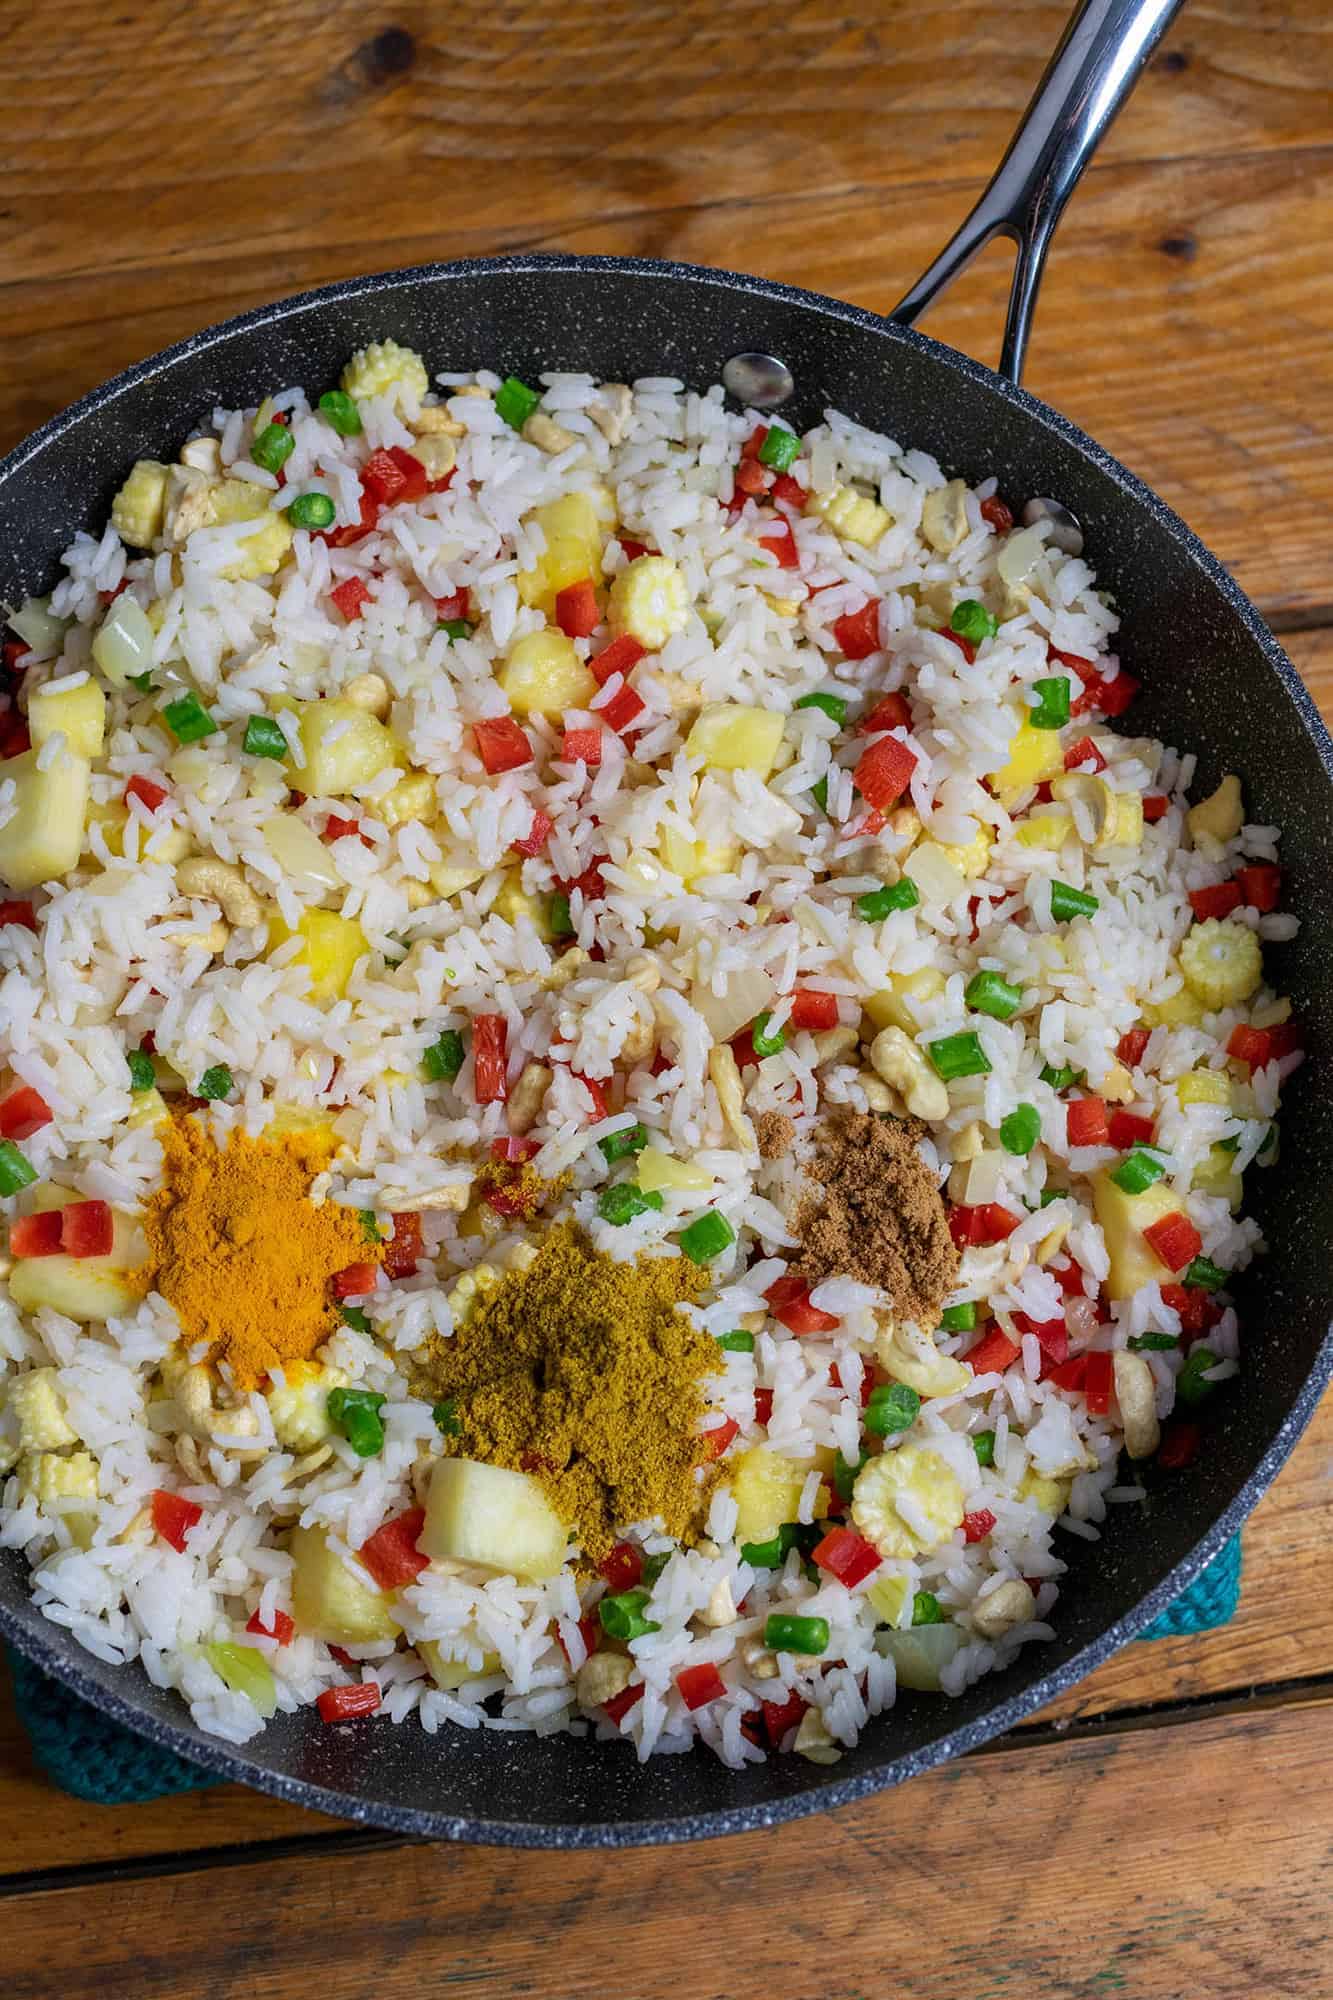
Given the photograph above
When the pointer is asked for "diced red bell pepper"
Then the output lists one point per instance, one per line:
(620, 1704)
(86, 1229)
(1196, 1309)
(990, 1223)
(391, 1555)
(993, 1353)
(699, 1685)
(174, 1516)
(589, 884)
(343, 538)
(965, 646)
(1085, 1122)
(416, 480)
(1175, 1240)
(457, 605)
(514, 1151)
(847, 1556)
(779, 540)
(977, 1525)
(1155, 806)
(751, 477)
(404, 1250)
(342, 1704)
(1085, 751)
(857, 632)
(624, 708)
(13, 650)
(1069, 1277)
(14, 737)
(716, 1441)
(36, 1235)
(351, 597)
(1112, 697)
(383, 477)
(596, 1095)
(1218, 901)
(996, 515)
(1130, 1128)
(754, 443)
(282, 1629)
(1250, 1045)
(1179, 1446)
(353, 1281)
(890, 712)
(342, 1656)
(790, 491)
(490, 1042)
(1069, 1374)
(1051, 1335)
(781, 1717)
(20, 913)
(622, 1568)
(633, 550)
(590, 1631)
(1130, 1047)
(869, 1380)
(537, 835)
(617, 658)
(501, 745)
(1260, 885)
(576, 610)
(788, 1299)
(148, 793)
(763, 1406)
(884, 771)
(337, 828)
(23, 1112)
(1098, 1376)
(812, 1009)
(582, 746)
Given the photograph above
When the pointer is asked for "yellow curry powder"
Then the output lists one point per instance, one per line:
(238, 1248)
(581, 1371)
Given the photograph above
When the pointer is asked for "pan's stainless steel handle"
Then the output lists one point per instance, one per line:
(1099, 59)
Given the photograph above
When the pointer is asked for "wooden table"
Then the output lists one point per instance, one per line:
(1163, 1831)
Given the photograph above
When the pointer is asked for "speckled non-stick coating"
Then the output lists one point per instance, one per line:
(1215, 681)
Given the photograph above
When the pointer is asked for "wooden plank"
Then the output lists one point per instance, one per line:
(1185, 1859)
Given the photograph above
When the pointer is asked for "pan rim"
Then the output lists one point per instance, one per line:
(227, 1761)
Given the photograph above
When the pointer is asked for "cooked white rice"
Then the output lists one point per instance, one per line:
(104, 966)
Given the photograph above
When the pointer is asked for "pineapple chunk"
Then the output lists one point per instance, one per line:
(259, 554)
(148, 1107)
(412, 797)
(38, 1407)
(658, 1173)
(1183, 1010)
(543, 675)
(43, 837)
(328, 1602)
(137, 510)
(970, 858)
(84, 1288)
(450, 1673)
(1034, 756)
(1125, 828)
(450, 878)
(1203, 1086)
(169, 842)
(513, 903)
(575, 530)
(1049, 829)
(330, 948)
(1220, 816)
(944, 516)
(1217, 1175)
(1123, 1218)
(344, 747)
(852, 515)
(1051, 1495)
(490, 1515)
(73, 708)
(1222, 963)
(730, 737)
(767, 1491)
(299, 1408)
(693, 859)
(924, 1479)
(383, 366)
(895, 1006)
(889, 1597)
(650, 600)
(55, 1481)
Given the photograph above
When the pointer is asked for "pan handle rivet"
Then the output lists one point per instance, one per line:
(1065, 531)
(760, 381)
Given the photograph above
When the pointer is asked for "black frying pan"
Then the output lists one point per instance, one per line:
(1215, 681)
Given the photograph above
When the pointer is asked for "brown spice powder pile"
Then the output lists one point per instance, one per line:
(580, 1371)
(871, 1211)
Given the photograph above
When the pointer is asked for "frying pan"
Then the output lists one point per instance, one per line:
(1214, 680)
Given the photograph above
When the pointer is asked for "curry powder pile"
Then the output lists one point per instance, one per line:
(238, 1248)
(581, 1371)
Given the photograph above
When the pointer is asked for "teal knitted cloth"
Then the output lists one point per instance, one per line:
(86, 1754)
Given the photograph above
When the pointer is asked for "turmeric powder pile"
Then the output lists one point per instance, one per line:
(242, 1253)
(580, 1371)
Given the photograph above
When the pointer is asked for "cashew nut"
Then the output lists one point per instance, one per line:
(419, 895)
(189, 503)
(1117, 1086)
(601, 1678)
(566, 967)
(832, 1044)
(224, 884)
(1010, 1604)
(877, 1093)
(725, 1076)
(1136, 1394)
(965, 1145)
(547, 434)
(203, 455)
(900, 1062)
(944, 516)
(610, 411)
(640, 1038)
(450, 1196)
(192, 1392)
(433, 420)
(371, 692)
(212, 939)
(721, 1606)
(757, 1660)
(438, 453)
(527, 1097)
(644, 973)
(1220, 816)
(813, 1741)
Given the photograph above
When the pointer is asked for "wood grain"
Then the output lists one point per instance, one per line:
(1173, 1861)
